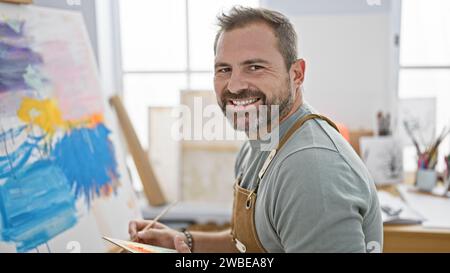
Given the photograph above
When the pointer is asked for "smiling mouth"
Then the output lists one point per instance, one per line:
(243, 102)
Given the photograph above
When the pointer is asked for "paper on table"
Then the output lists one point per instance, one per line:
(137, 247)
(406, 215)
(435, 210)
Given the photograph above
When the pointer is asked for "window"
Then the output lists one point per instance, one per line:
(166, 46)
(425, 60)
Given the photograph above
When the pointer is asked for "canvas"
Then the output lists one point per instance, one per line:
(63, 182)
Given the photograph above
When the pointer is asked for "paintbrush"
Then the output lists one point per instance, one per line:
(161, 214)
(447, 166)
(411, 135)
(432, 152)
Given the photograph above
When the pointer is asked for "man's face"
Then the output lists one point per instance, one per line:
(250, 72)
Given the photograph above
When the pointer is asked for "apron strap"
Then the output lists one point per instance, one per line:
(286, 137)
(299, 123)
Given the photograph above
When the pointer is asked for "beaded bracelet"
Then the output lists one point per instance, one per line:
(189, 238)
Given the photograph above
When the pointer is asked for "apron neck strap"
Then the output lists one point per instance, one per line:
(286, 137)
(299, 124)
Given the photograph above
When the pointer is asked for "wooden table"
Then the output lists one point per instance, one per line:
(415, 238)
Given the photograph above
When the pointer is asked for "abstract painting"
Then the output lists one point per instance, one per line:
(56, 152)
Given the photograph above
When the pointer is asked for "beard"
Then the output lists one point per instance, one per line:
(267, 113)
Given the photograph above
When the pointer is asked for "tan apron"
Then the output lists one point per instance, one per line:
(243, 229)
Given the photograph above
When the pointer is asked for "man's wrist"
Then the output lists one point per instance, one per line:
(188, 238)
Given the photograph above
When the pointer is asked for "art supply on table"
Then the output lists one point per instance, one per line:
(447, 165)
(428, 158)
(446, 177)
(391, 211)
(435, 210)
(426, 179)
(412, 136)
(395, 211)
(384, 124)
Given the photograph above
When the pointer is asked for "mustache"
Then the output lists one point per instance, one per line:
(242, 94)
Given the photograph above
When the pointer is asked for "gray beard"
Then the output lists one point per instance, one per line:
(265, 119)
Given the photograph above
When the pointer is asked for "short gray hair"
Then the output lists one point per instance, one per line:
(283, 29)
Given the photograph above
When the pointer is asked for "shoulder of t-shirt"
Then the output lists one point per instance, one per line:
(314, 134)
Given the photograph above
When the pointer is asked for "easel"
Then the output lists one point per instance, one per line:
(152, 189)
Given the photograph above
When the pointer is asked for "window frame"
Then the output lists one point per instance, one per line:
(417, 67)
(122, 72)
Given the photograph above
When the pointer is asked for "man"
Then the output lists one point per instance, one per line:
(309, 192)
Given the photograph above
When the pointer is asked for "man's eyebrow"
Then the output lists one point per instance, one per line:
(253, 61)
(246, 62)
(221, 64)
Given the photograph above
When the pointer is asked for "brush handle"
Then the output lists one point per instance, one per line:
(161, 214)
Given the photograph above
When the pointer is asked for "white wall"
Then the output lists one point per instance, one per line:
(350, 53)
(346, 74)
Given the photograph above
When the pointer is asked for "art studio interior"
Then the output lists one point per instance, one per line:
(123, 122)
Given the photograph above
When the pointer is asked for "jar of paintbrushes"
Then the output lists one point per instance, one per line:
(427, 159)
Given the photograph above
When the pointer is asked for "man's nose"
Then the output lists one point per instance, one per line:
(237, 83)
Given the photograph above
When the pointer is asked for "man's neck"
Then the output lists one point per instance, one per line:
(295, 106)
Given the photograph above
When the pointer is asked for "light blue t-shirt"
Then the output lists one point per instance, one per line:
(316, 195)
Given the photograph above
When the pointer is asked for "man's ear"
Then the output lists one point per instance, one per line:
(297, 72)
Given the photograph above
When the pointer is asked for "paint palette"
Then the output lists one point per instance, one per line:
(137, 247)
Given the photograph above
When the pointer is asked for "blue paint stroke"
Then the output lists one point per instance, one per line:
(87, 158)
(12, 133)
(16, 57)
(36, 205)
(15, 160)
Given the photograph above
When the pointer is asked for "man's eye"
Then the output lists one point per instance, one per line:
(223, 70)
(255, 67)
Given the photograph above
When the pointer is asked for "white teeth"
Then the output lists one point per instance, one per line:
(243, 102)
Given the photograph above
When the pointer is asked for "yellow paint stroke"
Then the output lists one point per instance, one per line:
(43, 113)
(47, 115)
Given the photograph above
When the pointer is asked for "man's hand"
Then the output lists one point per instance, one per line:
(180, 245)
(159, 235)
